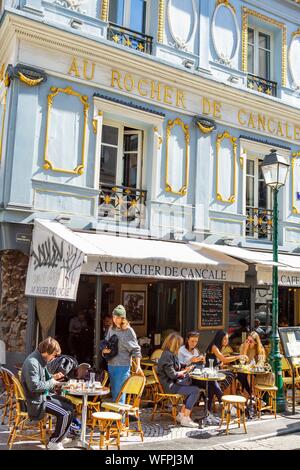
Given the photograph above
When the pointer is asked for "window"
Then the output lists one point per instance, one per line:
(129, 13)
(260, 66)
(121, 156)
(258, 201)
(259, 53)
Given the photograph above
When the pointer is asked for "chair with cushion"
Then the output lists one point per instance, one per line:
(22, 422)
(238, 402)
(133, 389)
(155, 356)
(164, 400)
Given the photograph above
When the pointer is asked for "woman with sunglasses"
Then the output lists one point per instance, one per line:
(254, 350)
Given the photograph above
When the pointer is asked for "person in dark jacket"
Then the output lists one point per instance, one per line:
(169, 370)
(38, 385)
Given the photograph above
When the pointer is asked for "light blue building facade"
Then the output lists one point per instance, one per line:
(149, 119)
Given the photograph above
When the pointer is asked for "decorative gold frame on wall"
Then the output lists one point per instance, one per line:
(104, 10)
(233, 140)
(84, 100)
(295, 156)
(171, 124)
(161, 21)
(246, 12)
(227, 4)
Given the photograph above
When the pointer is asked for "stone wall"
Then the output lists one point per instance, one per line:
(13, 303)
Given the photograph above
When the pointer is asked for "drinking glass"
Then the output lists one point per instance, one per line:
(211, 364)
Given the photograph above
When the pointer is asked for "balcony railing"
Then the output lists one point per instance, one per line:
(262, 85)
(259, 223)
(127, 37)
(122, 204)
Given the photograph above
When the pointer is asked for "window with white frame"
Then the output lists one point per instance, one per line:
(258, 201)
(131, 14)
(261, 61)
(121, 156)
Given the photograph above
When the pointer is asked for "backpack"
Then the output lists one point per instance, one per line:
(64, 364)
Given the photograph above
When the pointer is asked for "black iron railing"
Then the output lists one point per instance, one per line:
(259, 223)
(128, 37)
(122, 204)
(262, 85)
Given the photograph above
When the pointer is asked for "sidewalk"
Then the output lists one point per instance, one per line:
(161, 434)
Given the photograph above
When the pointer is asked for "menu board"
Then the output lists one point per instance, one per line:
(290, 340)
(211, 306)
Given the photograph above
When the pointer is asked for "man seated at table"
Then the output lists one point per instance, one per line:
(39, 387)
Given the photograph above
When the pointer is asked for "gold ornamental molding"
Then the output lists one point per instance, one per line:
(95, 122)
(161, 21)
(233, 141)
(104, 11)
(159, 137)
(246, 12)
(48, 165)
(295, 210)
(30, 81)
(227, 4)
(185, 128)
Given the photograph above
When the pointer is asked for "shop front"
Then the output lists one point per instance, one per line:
(84, 275)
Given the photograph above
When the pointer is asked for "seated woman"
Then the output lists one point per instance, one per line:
(169, 370)
(213, 351)
(253, 349)
(188, 353)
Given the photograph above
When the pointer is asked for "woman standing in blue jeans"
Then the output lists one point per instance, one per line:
(128, 347)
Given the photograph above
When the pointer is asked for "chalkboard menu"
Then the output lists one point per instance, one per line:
(211, 306)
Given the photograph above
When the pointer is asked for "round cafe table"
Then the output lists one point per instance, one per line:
(88, 392)
(213, 378)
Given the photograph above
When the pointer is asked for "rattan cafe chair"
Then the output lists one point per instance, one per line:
(163, 400)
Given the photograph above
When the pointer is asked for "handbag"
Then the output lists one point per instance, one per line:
(267, 379)
(186, 380)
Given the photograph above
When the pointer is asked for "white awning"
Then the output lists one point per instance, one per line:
(59, 255)
(288, 265)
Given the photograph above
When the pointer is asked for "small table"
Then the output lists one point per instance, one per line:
(218, 377)
(85, 394)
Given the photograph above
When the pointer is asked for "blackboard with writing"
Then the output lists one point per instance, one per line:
(211, 306)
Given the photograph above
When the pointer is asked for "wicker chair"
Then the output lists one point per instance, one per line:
(163, 400)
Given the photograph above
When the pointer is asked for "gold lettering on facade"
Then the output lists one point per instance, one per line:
(205, 106)
(261, 118)
(74, 68)
(128, 82)
(251, 122)
(241, 121)
(141, 84)
(217, 110)
(91, 75)
(168, 99)
(287, 128)
(155, 91)
(297, 132)
(116, 77)
(180, 99)
(279, 129)
(272, 130)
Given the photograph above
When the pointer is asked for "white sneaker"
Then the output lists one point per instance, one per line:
(179, 417)
(67, 440)
(187, 422)
(55, 446)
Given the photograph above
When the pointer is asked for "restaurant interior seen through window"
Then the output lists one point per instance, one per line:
(256, 302)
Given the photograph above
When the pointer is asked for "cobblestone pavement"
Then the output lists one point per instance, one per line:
(162, 434)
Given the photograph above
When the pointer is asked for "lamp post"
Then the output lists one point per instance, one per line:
(275, 170)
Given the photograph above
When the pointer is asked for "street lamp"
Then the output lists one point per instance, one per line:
(275, 169)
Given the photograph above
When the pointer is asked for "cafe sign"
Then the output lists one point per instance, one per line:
(159, 271)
